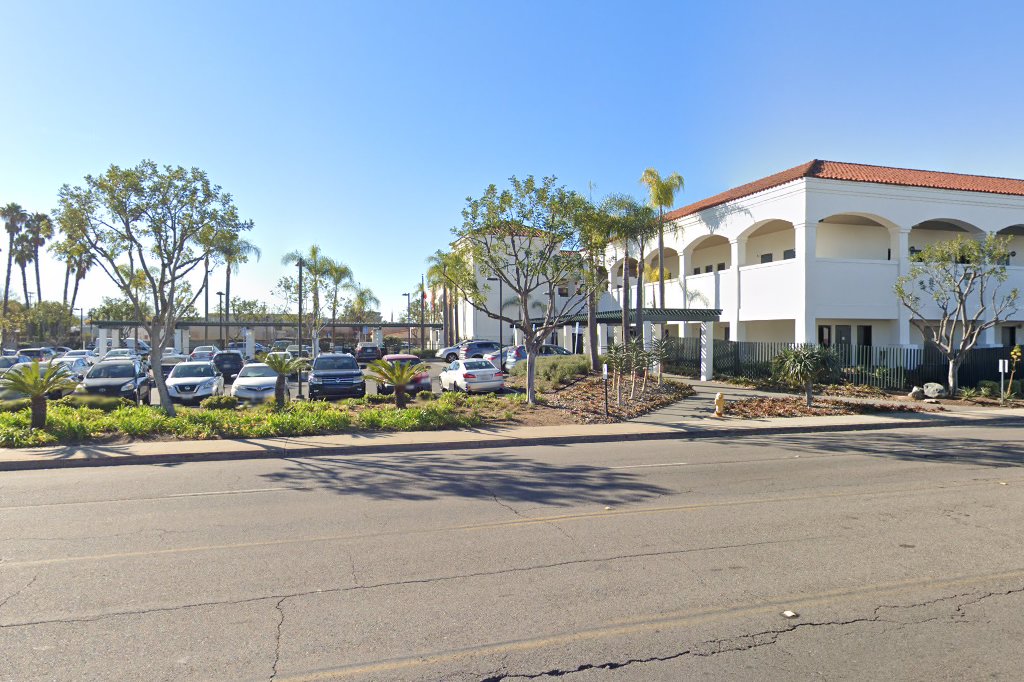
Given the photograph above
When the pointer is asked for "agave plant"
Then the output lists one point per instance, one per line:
(285, 367)
(397, 374)
(29, 381)
(803, 366)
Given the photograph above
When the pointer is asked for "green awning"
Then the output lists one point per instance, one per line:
(655, 315)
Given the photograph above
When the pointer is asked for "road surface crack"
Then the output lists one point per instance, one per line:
(764, 638)
(277, 637)
(18, 591)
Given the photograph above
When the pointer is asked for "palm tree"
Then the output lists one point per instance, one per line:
(83, 263)
(398, 374)
(39, 229)
(340, 277)
(663, 195)
(14, 220)
(284, 367)
(29, 381)
(630, 224)
(595, 234)
(234, 252)
(363, 302)
(23, 251)
(437, 266)
(316, 266)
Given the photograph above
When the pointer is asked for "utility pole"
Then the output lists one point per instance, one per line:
(300, 264)
(423, 300)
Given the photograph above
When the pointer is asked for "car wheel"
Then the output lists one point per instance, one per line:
(451, 357)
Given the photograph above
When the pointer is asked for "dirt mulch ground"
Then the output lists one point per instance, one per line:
(582, 402)
(762, 408)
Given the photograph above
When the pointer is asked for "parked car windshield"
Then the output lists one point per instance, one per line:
(251, 371)
(324, 364)
(479, 364)
(115, 370)
(204, 349)
(192, 371)
(8, 361)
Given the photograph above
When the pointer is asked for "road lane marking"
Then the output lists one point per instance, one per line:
(233, 492)
(648, 466)
(511, 523)
(641, 624)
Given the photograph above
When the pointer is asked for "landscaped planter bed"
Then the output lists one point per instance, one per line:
(763, 408)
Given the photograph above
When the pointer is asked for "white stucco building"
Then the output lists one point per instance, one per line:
(811, 254)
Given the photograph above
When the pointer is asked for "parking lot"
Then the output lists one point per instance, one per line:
(435, 365)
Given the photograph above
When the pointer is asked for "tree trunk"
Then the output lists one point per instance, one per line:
(532, 346)
(954, 367)
(24, 284)
(10, 263)
(640, 299)
(455, 314)
(74, 292)
(595, 361)
(400, 395)
(227, 304)
(279, 389)
(206, 294)
(446, 323)
(625, 297)
(38, 408)
(661, 258)
(809, 387)
(39, 284)
(67, 281)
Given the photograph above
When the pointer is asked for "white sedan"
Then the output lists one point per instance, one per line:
(256, 383)
(190, 382)
(472, 376)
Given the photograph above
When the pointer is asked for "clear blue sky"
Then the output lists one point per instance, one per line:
(363, 126)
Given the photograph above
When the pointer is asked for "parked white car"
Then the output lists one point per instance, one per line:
(472, 376)
(90, 356)
(255, 383)
(191, 382)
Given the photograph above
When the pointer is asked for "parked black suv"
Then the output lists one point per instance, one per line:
(229, 363)
(336, 376)
(368, 352)
(118, 378)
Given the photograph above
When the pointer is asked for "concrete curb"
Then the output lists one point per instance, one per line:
(489, 444)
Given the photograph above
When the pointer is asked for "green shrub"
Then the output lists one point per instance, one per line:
(558, 370)
(452, 398)
(379, 398)
(96, 402)
(14, 405)
(968, 393)
(425, 395)
(219, 402)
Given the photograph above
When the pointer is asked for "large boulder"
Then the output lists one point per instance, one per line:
(916, 393)
(933, 390)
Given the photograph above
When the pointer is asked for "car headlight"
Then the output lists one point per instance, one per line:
(80, 388)
(314, 379)
(130, 386)
(210, 384)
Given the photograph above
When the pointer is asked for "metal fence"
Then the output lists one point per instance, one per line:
(886, 367)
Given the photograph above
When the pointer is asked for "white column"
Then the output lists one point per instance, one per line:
(602, 338)
(250, 342)
(685, 265)
(648, 332)
(806, 244)
(707, 351)
(901, 252)
(101, 340)
(115, 338)
(988, 337)
(731, 308)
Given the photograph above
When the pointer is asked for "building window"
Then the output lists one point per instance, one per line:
(789, 254)
(863, 334)
(720, 266)
(707, 268)
(563, 292)
(766, 258)
(696, 271)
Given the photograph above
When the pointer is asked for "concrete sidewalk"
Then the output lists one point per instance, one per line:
(687, 419)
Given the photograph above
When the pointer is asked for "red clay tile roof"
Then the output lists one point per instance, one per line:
(859, 172)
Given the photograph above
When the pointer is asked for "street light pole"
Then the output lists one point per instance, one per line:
(301, 264)
(220, 308)
(81, 326)
(423, 303)
(408, 316)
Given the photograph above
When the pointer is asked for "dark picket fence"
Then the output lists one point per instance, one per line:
(886, 367)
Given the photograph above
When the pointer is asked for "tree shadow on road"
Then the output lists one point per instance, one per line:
(473, 476)
(914, 445)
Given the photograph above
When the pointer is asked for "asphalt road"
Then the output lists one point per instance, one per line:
(900, 551)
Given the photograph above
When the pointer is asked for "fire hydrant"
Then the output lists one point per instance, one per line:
(719, 404)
